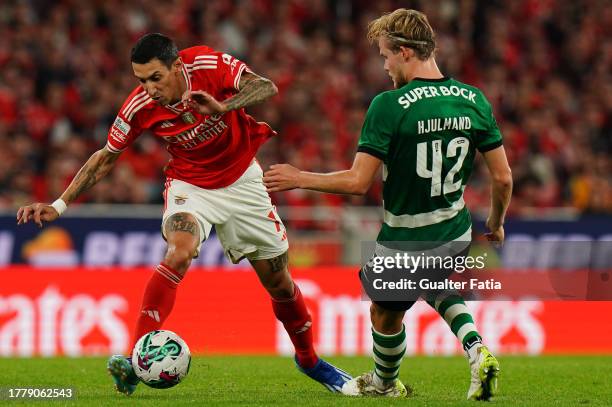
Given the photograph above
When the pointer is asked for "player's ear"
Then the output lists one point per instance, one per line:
(176, 65)
(407, 53)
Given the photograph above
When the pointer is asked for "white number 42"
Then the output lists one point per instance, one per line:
(435, 173)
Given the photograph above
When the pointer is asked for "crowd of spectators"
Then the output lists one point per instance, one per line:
(545, 65)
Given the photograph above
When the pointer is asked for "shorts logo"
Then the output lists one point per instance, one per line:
(180, 200)
(122, 126)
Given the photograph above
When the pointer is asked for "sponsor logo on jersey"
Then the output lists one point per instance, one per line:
(117, 135)
(180, 200)
(121, 126)
(416, 94)
(211, 127)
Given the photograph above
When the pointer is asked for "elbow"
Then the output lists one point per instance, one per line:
(273, 88)
(358, 188)
(105, 157)
(357, 182)
(361, 190)
(270, 86)
(503, 179)
(267, 86)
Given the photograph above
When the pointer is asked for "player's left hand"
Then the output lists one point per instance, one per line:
(281, 177)
(38, 212)
(203, 102)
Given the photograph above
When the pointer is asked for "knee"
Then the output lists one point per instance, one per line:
(375, 312)
(280, 287)
(178, 258)
(385, 321)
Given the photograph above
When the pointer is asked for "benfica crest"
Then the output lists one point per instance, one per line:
(188, 117)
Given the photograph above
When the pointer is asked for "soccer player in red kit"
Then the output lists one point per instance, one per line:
(195, 99)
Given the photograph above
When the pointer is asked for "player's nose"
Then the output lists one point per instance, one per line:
(150, 89)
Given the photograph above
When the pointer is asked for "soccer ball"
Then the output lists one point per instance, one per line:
(161, 359)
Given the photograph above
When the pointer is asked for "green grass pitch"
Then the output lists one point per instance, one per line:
(268, 380)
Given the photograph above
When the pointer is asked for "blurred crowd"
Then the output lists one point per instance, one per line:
(545, 65)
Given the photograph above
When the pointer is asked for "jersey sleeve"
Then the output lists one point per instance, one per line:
(231, 69)
(125, 129)
(490, 138)
(377, 130)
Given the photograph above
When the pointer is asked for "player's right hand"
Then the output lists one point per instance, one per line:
(496, 233)
(202, 102)
(38, 212)
(281, 177)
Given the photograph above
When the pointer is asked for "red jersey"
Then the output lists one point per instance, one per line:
(208, 151)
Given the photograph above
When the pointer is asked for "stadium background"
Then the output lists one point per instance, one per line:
(73, 288)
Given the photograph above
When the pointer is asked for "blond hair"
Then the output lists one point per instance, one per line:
(408, 28)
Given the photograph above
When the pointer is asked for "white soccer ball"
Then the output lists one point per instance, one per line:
(161, 359)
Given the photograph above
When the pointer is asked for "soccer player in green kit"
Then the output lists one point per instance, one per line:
(425, 134)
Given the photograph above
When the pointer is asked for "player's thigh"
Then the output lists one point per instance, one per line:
(254, 230)
(186, 222)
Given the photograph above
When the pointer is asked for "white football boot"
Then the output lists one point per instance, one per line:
(364, 386)
(485, 372)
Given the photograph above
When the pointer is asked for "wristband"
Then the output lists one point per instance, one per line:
(59, 205)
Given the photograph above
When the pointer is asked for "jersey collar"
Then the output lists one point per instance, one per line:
(442, 79)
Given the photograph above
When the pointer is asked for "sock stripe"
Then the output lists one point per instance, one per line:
(389, 344)
(448, 303)
(386, 369)
(453, 311)
(460, 321)
(401, 348)
(464, 330)
(388, 351)
(168, 273)
(386, 376)
(387, 363)
(452, 308)
(442, 297)
(153, 314)
(389, 358)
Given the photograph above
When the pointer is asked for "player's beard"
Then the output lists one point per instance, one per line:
(399, 81)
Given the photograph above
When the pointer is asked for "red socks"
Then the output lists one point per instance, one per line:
(293, 314)
(157, 301)
(160, 294)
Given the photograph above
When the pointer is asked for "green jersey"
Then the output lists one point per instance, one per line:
(427, 133)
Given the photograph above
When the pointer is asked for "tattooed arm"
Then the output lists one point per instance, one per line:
(98, 165)
(253, 89)
(96, 168)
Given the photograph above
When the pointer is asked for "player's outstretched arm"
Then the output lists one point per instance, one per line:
(96, 167)
(356, 181)
(501, 191)
(253, 89)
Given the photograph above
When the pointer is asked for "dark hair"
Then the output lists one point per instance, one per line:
(154, 45)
